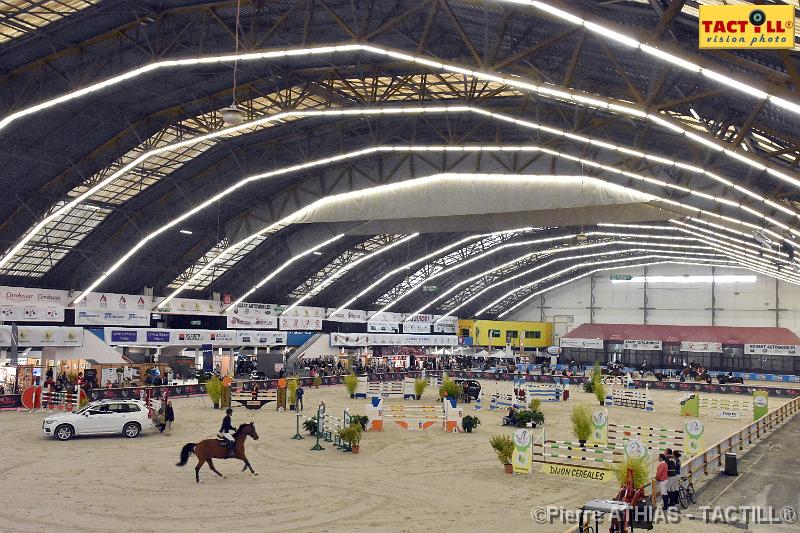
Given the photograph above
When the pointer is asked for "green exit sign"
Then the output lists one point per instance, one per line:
(621, 277)
(430, 288)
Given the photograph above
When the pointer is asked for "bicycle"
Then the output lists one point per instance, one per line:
(686, 492)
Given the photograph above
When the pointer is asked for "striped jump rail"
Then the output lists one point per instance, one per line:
(630, 398)
(573, 451)
(654, 438)
(415, 417)
(721, 403)
(255, 400)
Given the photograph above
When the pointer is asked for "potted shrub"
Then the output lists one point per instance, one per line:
(352, 436)
(292, 384)
(361, 420)
(469, 422)
(317, 381)
(588, 386)
(351, 382)
(419, 387)
(504, 447)
(581, 423)
(214, 390)
(600, 392)
(310, 425)
(639, 468)
(537, 418)
(535, 404)
(451, 390)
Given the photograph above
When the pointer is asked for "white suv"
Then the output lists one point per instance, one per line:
(128, 417)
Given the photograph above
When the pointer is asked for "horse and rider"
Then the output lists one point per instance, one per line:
(229, 444)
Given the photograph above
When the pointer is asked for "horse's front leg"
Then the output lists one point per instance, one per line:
(248, 465)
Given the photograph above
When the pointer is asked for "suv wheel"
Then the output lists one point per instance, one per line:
(64, 432)
(131, 430)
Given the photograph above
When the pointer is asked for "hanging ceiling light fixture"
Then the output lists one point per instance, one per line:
(232, 115)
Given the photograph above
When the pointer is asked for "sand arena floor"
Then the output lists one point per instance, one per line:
(401, 480)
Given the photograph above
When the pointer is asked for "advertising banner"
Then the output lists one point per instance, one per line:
(523, 452)
(385, 316)
(96, 317)
(299, 323)
(32, 305)
(305, 311)
(639, 344)
(346, 315)
(693, 443)
(760, 404)
(416, 327)
(599, 427)
(694, 346)
(577, 472)
(383, 327)
(594, 344)
(193, 337)
(391, 339)
(770, 349)
(260, 338)
(39, 336)
(746, 26)
(253, 316)
(446, 324)
(189, 306)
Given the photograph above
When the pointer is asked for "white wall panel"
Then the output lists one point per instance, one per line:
(738, 304)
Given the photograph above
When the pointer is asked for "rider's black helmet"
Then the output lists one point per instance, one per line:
(229, 411)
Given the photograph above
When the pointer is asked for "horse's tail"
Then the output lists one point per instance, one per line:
(186, 451)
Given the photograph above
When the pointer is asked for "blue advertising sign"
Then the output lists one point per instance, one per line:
(123, 335)
(158, 336)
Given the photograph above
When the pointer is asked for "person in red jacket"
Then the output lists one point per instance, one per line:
(662, 480)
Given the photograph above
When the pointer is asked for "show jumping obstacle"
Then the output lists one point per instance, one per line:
(387, 389)
(724, 408)
(327, 428)
(414, 417)
(656, 439)
(37, 397)
(255, 400)
(574, 452)
(630, 398)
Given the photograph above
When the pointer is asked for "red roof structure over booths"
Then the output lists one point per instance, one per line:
(674, 334)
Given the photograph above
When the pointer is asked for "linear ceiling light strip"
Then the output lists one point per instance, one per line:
(729, 241)
(361, 193)
(348, 268)
(99, 185)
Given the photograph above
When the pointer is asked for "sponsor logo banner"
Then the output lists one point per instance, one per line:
(639, 344)
(391, 339)
(189, 306)
(746, 26)
(416, 327)
(446, 324)
(19, 304)
(386, 316)
(770, 349)
(194, 337)
(577, 472)
(93, 317)
(346, 315)
(383, 327)
(157, 336)
(299, 323)
(305, 311)
(594, 344)
(36, 336)
(254, 316)
(693, 346)
(523, 452)
(123, 336)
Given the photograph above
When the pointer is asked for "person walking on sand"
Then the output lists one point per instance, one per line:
(299, 395)
(169, 418)
(662, 479)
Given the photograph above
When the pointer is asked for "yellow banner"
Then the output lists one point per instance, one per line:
(746, 26)
(577, 472)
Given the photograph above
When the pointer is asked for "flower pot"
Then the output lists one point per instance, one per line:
(216, 405)
(452, 401)
(419, 397)
(509, 469)
(352, 396)
(355, 448)
(602, 402)
(582, 443)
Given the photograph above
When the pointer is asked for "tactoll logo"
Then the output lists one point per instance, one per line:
(746, 26)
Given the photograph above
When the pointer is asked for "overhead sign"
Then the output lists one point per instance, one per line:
(32, 305)
(430, 288)
(639, 344)
(693, 346)
(305, 311)
(770, 349)
(594, 344)
(383, 327)
(391, 339)
(416, 327)
(192, 337)
(252, 316)
(346, 315)
(621, 277)
(746, 26)
(446, 324)
(190, 306)
(39, 336)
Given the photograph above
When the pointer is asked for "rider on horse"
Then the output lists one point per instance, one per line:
(226, 432)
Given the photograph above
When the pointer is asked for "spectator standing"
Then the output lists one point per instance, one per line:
(299, 393)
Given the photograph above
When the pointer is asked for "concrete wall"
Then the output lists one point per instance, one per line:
(736, 304)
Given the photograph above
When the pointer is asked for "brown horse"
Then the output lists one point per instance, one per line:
(209, 449)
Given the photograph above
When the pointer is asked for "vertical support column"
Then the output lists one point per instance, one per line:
(713, 296)
(644, 296)
(777, 305)
(592, 283)
(541, 308)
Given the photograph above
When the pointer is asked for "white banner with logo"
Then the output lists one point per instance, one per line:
(446, 324)
(110, 309)
(416, 327)
(252, 316)
(594, 344)
(299, 323)
(383, 327)
(96, 317)
(408, 317)
(189, 306)
(695, 346)
(770, 349)
(640, 344)
(385, 316)
(391, 339)
(347, 315)
(192, 337)
(36, 336)
(32, 305)
(305, 311)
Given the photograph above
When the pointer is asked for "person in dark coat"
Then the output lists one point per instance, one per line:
(169, 418)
